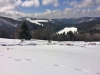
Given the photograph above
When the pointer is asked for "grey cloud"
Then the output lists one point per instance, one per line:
(83, 3)
(30, 3)
(50, 2)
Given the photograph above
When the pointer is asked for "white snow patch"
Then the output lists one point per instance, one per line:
(91, 19)
(82, 21)
(67, 29)
(37, 21)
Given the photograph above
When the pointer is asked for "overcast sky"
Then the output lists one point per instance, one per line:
(50, 8)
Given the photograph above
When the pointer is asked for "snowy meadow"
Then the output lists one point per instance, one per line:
(38, 57)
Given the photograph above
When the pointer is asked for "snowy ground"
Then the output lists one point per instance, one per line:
(38, 57)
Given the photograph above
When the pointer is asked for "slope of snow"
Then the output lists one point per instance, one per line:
(67, 29)
(57, 58)
(91, 19)
(37, 21)
(86, 20)
(82, 20)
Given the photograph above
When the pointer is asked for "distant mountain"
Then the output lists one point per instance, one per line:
(77, 20)
(37, 21)
(89, 27)
(9, 25)
(64, 20)
(8, 22)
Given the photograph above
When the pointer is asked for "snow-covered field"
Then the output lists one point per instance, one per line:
(38, 57)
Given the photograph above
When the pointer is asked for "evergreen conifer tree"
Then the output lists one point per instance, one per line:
(24, 32)
(71, 35)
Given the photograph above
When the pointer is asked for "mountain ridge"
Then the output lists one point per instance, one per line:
(83, 23)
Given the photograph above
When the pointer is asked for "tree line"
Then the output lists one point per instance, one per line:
(49, 33)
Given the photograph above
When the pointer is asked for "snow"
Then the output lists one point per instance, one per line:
(67, 29)
(86, 20)
(91, 19)
(38, 57)
(82, 21)
(37, 21)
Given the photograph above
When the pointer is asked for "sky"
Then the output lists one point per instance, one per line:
(50, 8)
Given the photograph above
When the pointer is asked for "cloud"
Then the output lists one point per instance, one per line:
(30, 3)
(18, 2)
(97, 1)
(97, 9)
(83, 4)
(55, 3)
(7, 5)
(36, 3)
(14, 14)
(66, 13)
(9, 8)
(50, 14)
(6, 2)
(69, 13)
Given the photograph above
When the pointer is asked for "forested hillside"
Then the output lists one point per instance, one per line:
(45, 29)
